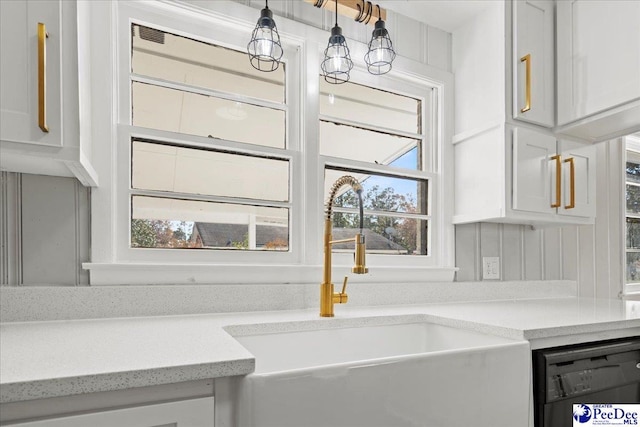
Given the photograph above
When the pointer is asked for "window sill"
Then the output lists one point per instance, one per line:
(166, 274)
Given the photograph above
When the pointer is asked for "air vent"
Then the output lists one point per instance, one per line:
(151, 34)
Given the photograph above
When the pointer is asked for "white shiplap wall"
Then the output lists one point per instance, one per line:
(45, 225)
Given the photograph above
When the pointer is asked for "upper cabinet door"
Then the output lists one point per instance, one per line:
(533, 62)
(598, 56)
(30, 92)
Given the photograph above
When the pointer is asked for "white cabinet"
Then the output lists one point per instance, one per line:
(186, 413)
(598, 77)
(552, 177)
(520, 175)
(503, 62)
(39, 94)
(509, 166)
(533, 62)
(21, 102)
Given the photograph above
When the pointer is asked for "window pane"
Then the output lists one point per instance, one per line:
(633, 267)
(633, 233)
(633, 199)
(380, 193)
(353, 143)
(173, 110)
(366, 105)
(633, 172)
(207, 225)
(183, 60)
(196, 171)
(383, 234)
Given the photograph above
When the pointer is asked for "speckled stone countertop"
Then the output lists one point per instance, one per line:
(60, 358)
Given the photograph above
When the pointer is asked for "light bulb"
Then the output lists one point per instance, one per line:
(264, 43)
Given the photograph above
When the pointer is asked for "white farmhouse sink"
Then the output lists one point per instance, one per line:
(413, 374)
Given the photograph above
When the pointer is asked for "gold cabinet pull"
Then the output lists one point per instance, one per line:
(42, 77)
(558, 202)
(572, 183)
(527, 60)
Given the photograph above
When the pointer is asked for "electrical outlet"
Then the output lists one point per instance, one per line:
(490, 268)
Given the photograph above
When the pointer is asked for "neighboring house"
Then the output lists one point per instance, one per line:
(223, 236)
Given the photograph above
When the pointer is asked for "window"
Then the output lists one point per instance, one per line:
(632, 248)
(217, 173)
(190, 195)
(377, 136)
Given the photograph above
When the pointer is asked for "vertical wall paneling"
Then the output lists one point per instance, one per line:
(586, 261)
(405, 41)
(601, 227)
(83, 231)
(616, 224)
(55, 230)
(552, 253)
(10, 237)
(438, 48)
(511, 252)
(569, 252)
(533, 262)
(466, 252)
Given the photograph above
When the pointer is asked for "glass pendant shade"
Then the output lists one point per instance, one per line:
(337, 61)
(380, 54)
(264, 48)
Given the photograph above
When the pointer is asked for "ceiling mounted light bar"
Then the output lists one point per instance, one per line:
(358, 10)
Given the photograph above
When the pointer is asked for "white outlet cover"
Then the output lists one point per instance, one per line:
(490, 268)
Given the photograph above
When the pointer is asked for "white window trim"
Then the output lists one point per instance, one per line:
(113, 263)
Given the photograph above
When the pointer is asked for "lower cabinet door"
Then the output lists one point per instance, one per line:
(186, 413)
(578, 178)
(533, 171)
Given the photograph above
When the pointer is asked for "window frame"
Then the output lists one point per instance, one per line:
(631, 153)
(114, 262)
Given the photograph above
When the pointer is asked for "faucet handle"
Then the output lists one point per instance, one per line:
(342, 297)
(344, 285)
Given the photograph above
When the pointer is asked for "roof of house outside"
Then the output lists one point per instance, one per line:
(225, 235)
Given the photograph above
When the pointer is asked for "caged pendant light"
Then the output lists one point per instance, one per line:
(264, 48)
(380, 54)
(337, 62)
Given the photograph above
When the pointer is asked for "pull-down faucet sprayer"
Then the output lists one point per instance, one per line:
(327, 297)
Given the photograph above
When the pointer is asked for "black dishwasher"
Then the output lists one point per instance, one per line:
(592, 373)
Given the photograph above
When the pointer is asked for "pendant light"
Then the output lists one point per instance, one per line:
(380, 54)
(264, 48)
(337, 62)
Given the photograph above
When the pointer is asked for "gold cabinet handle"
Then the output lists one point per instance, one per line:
(527, 60)
(572, 183)
(42, 77)
(558, 202)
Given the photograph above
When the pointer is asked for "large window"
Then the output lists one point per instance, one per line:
(190, 195)
(218, 173)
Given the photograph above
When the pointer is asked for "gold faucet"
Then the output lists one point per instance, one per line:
(327, 297)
